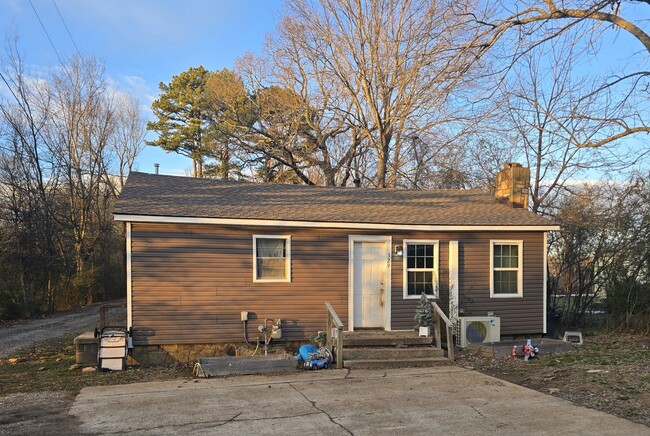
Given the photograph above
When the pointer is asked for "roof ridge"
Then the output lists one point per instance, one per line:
(305, 186)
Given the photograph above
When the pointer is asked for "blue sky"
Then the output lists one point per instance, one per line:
(143, 42)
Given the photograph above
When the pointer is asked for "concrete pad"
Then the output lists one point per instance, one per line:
(333, 402)
(504, 348)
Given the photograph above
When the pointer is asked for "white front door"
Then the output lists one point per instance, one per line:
(370, 261)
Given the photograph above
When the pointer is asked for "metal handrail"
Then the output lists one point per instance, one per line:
(439, 315)
(334, 322)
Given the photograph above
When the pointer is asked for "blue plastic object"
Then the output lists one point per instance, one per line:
(306, 352)
(312, 357)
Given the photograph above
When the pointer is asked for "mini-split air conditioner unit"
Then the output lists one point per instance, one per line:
(477, 330)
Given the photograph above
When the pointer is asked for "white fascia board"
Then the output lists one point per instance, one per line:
(322, 224)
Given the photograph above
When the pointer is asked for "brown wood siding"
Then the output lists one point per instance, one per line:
(190, 282)
(522, 315)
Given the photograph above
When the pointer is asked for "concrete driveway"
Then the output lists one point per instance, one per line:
(442, 400)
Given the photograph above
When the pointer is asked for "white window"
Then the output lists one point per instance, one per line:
(271, 258)
(506, 269)
(420, 268)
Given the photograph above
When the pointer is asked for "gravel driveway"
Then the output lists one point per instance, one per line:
(28, 333)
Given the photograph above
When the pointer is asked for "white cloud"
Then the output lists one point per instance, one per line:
(15, 5)
(137, 87)
(141, 88)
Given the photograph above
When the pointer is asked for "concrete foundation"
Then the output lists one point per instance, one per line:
(87, 347)
(190, 353)
(504, 348)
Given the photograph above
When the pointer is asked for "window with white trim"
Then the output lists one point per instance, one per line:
(506, 268)
(271, 258)
(420, 268)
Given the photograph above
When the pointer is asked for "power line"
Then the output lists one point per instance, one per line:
(46, 32)
(9, 87)
(66, 27)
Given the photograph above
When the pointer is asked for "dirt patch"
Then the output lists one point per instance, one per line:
(17, 335)
(38, 386)
(50, 367)
(610, 373)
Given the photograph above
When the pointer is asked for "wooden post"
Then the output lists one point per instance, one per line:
(441, 317)
(328, 331)
(333, 320)
(450, 344)
(339, 348)
(436, 329)
(102, 317)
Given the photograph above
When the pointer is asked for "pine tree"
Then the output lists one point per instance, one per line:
(183, 117)
(424, 313)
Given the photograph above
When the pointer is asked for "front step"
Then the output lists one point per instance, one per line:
(393, 353)
(401, 363)
(374, 349)
(373, 338)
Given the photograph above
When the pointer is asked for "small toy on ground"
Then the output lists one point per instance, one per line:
(530, 351)
(311, 357)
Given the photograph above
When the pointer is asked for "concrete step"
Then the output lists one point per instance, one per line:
(382, 338)
(392, 353)
(397, 363)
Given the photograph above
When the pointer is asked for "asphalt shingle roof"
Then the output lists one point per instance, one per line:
(158, 195)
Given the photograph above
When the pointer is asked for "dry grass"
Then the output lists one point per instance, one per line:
(48, 368)
(610, 373)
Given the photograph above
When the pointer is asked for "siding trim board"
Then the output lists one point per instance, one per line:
(322, 224)
(454, 282)
(544, 289)
(129, 283)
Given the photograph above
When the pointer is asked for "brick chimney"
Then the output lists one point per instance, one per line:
(513, 185)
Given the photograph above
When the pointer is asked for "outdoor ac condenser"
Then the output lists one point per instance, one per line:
(477, 329)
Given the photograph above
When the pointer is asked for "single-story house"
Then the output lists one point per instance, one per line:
(201, 251)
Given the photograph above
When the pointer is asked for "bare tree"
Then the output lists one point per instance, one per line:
(521, 27)
(332, 138)
(274, 128)
(127, 139)
(78, 136)
(28, 184)
(601, 254)
(546, 111)
(567, 14)
(395, 61)
(59, 133)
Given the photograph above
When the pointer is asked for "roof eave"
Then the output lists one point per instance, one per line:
(134, 218)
